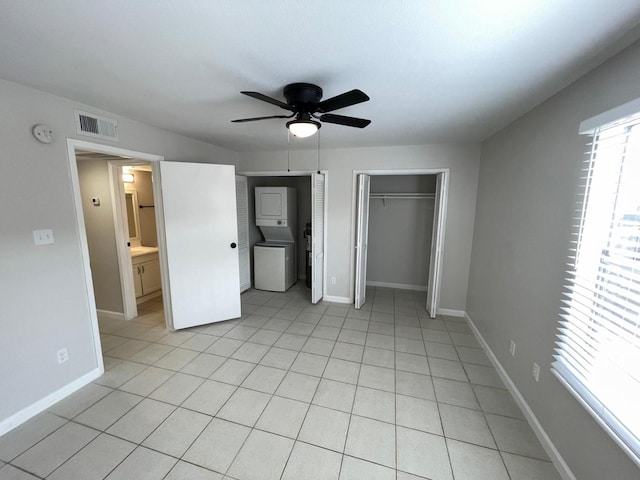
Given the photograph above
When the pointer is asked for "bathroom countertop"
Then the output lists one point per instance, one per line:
(137, 251)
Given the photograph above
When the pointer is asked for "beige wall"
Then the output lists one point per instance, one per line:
(94, 182)
(147, 216)
(528, 180)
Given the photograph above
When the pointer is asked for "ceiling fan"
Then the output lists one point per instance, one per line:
(304, 100)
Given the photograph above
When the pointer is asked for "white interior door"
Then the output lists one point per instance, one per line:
(317, 236)
(362, 238)
(244, 258)
(437, 245)
(201, 235)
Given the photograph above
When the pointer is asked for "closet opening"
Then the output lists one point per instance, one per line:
(281, 225)
(400, 218)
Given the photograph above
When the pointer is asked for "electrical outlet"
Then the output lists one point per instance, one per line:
(333, 280)
(63, 355)
(43, 237)
(536, 372)
(512, 348)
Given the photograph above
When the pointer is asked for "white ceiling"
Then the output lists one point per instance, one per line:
(436, 70)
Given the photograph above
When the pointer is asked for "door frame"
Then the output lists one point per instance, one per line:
(303, 173)
(124, 256)
(354, 211)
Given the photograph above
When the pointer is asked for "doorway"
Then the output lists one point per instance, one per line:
(310, 190)
(400, 219)
(197, 231)
(118, 201)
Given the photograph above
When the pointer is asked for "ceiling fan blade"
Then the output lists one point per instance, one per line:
(270, 100)
(240, 120)
(343, 120)
(344, 100)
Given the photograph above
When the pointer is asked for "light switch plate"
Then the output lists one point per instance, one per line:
(43, 237)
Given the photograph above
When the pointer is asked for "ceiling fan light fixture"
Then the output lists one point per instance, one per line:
(303, 128)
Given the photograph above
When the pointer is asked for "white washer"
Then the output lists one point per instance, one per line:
(274, 266)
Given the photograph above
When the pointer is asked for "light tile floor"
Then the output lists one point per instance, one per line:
(289, 391)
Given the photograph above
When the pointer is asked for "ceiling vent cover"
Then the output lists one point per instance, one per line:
(92, 125)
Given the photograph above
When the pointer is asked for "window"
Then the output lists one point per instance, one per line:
(597, 352)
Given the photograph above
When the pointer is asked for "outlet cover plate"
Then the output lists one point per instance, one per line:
(43, 237)
(62, 355)
(536, 372)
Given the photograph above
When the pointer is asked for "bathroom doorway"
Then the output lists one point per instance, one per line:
(118, 203)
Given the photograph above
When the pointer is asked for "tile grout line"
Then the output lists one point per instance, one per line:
(212, 417)
(299, 351)
(305, 415)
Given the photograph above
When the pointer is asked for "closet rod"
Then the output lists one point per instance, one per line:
(402, 195)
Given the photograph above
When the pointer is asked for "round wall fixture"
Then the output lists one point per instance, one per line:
(42, 133)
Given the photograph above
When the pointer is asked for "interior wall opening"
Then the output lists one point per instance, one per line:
(109, 183)
(303, 205)
(399, 232)
(401, 209)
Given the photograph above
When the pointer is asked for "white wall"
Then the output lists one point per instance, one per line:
(43, 299)
(461, 160)
(528, 180)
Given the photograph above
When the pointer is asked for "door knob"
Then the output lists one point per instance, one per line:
(233, 245)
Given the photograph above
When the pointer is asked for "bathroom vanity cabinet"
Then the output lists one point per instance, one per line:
(146, 271)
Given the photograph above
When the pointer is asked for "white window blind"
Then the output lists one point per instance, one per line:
(597, 354)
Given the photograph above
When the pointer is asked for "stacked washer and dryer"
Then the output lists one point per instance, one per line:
(274, 260)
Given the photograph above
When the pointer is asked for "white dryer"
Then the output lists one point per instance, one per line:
(276, 215)
(274, 260)
(274, 266)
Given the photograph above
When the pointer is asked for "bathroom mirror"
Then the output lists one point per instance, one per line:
(133, 223)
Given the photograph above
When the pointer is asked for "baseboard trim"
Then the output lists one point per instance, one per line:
(542, 435)
(330, 298)
(451, 313)
(147, 297)
(400, 286)
(107, 314)
(32, 410)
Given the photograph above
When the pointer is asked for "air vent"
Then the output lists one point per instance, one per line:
(92, 125)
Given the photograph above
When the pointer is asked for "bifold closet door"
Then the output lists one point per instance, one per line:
(317, 236)
(200, 240)
(244, 258)
(362, 235)
(437, 244)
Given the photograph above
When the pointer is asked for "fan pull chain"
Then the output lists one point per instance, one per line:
(288, 150)
(318, 133)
